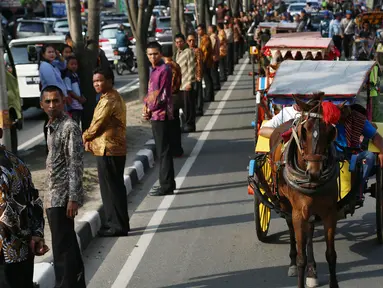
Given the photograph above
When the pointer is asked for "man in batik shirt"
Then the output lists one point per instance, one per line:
(21, 222)
(192, 42)
(159, 109)
(176, 145)
(185, 58)
(65, 193)
(106, 139)
(208, 62)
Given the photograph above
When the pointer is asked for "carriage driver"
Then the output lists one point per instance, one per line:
(351, 126)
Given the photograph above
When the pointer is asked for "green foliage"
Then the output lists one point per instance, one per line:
(30, 3)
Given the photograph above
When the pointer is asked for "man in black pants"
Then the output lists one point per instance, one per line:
(106, 139)
(185, 59)
(159, 109)
(65, 192)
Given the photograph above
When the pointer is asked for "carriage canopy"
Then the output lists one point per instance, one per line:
(339, 80)
(296, 44)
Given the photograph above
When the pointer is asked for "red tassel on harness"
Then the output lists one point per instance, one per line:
(331, 113)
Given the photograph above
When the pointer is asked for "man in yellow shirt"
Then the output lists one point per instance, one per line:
(106, 139)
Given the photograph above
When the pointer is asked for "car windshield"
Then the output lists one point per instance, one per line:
(20, 53)
(61, 24)
(163, 23)
(297, 7)
(110, 33)
(31, 27)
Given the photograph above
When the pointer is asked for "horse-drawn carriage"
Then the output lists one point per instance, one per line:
(276, 168)
(291, 46)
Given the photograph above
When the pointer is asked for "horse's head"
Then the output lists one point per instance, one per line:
(314, 133)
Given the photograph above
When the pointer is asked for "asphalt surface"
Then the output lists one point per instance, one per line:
(204, 235)
(34, 118)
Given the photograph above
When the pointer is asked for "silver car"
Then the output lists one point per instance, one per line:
(163, 33)
(33, 28)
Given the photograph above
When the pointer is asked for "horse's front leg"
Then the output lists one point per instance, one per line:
(329, 223)
(300, 228)
(311, 276)
(293, 249)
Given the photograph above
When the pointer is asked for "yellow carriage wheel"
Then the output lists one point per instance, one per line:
(262, 213)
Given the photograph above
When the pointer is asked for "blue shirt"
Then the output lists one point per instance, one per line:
(51, 75)
(335, 29)
(121, 40)
(72, 83)
(369, 132)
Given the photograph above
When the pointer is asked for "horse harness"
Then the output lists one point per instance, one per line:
(294, 176)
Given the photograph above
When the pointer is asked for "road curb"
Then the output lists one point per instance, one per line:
(90, 223)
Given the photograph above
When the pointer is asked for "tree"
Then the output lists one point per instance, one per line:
(175, 18)
(182, 17)
(86, 51)
(139, 18)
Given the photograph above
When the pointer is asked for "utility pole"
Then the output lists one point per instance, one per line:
(5, 122)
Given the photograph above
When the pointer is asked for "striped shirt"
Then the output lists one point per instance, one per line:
(185, 59)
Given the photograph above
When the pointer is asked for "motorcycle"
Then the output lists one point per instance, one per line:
(124, 60)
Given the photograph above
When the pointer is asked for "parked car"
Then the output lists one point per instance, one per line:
(27, 66)
(296, 8)
(113, 19)
(33, 28)
(163, 32)
(107, 40)
(61, 27)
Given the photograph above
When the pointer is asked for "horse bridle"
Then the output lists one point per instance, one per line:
(315, 137)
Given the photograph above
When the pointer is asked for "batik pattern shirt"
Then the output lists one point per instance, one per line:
(176, 77)
(107, 132)
(185, 58)
(223, 43)
(21, 209)
(64, 163)
(198, 64)
(207, 51)
(159, 99)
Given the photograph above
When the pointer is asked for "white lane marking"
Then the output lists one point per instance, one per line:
(40, 137)
(143, 243)
(129, 87)
(31, 142)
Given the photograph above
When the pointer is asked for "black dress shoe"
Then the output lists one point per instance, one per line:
(111, 233)
(199, 113)
(157, 191)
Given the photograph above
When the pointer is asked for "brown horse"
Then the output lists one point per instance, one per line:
(305, 171)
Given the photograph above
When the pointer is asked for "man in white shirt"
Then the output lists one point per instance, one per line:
(285, 115)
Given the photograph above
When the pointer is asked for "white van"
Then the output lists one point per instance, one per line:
(27, 70)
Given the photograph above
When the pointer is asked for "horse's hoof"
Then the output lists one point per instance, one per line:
(293, 271)
(312, 282)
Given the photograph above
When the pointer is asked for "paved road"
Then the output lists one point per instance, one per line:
(204, 235)
(34, 118)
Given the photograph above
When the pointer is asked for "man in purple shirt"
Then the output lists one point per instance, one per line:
(159, 109)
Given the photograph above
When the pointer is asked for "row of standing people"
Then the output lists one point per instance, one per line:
(176, 83)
